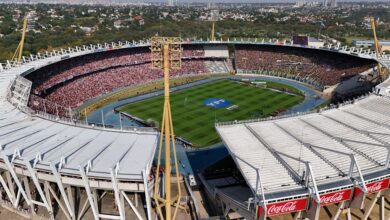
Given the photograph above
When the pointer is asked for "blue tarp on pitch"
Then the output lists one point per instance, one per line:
(217, 103)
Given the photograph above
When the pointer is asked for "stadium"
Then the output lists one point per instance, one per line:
(57, 162)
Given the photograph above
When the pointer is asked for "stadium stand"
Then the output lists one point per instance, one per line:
(323, 67)
(281, 149)
(74, 81)
(54, 74)
(279, 162)
(193, 51)
(216, 66)
(75, 92)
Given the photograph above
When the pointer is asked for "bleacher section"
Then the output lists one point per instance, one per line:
(216, 66)
(311, 66)
(71, 82)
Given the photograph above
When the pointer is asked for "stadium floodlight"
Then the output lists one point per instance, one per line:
(166, 54)
(173, 45)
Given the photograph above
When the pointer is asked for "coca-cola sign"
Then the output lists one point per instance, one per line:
(284, 207)
(374, 187)
(335, 197)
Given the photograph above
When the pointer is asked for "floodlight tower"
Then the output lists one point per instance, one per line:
(166, 55)
(19, 50)
(212, 36)
(214, 18)
(325, 3)
(381, 70)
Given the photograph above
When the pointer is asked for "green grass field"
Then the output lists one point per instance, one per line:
(194, 121)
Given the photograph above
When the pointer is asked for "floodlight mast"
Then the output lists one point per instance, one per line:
(166, 55)
(381, 71)
(19, 50)
(212, 37)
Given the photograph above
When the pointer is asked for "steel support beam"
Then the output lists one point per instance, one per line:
(28, 191)
(145, 175)
(382, 208)
(83, 209)
(298, 215)
(10, 183)
(71, 200)
(349, 217)
(132, 206)
(340, 208)
(38, 187)
(117, 196)
(95, 199)
(89, 194)
(15, 177)
(371, 205)
(48, 197)
(10, 195)
(62, 191)
(59, 202)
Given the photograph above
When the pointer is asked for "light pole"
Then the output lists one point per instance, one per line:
(166, 55)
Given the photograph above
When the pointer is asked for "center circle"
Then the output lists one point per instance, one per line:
(217, 103)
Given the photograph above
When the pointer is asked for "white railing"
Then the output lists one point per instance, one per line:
(81, 123)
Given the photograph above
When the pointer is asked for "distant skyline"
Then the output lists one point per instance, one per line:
(180, 1)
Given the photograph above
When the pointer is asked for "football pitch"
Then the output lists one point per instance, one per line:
(193, 114)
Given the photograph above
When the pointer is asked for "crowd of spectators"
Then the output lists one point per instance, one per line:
(72, 82)
(193, 51)
(43, 105)
(54, 74)
(324, 67)
(75, 92)
(59, 73)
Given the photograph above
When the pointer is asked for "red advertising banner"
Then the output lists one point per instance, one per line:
(374, 187)
(280, 208)
(335, 197)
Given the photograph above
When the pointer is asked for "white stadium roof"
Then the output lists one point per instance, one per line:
(280, 148)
